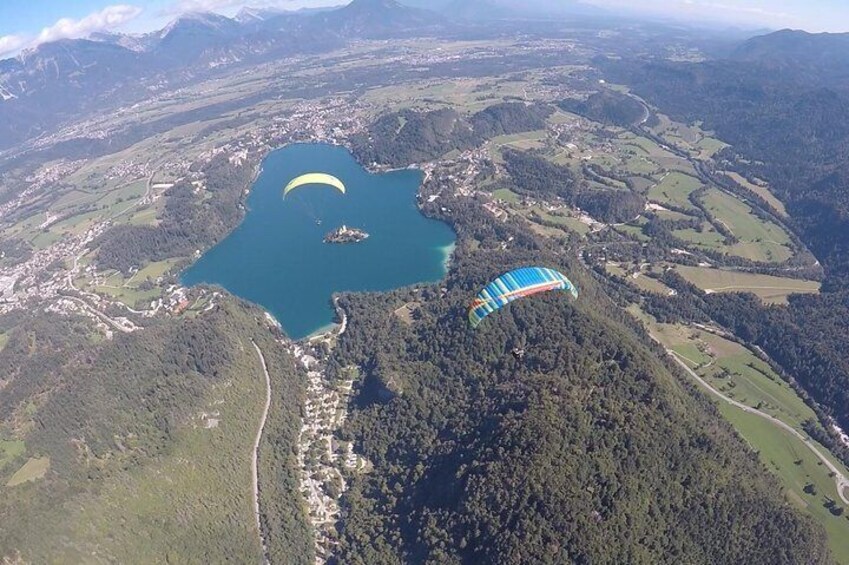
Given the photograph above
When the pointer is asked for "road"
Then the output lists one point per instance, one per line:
(840, 479)
(143, 199)
(644, 104)
(255, 459)
(107, 319)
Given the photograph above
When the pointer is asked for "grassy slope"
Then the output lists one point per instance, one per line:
(796, 467)
(769, 288)
(752, 382)
(761, 191)
(760, 240)
(675, 189)
(176, 487)
(33, 470)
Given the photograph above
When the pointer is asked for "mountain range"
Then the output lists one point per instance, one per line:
(822, 57)
(502, 9)
(43, 87)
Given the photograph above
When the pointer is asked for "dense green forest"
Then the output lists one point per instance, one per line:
(587, 450)
(147, 441)
(788, 125)
(402, 138)
(537, 177)
(607, 107)
(287, 531)
(187, 223)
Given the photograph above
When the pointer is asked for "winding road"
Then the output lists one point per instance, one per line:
(255, 459)
(840, 479)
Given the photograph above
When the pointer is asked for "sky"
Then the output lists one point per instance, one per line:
(27, 23)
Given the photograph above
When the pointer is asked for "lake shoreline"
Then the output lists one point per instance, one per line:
(276, 257)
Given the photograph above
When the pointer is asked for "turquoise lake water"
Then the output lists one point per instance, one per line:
(276, 258)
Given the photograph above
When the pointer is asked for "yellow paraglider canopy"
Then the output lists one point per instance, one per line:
(314, 178)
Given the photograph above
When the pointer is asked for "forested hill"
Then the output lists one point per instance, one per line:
(399, 139)
(823, 54)
(608, 107)
(586, 451)
(141, 445)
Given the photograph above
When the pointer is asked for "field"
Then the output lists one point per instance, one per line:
(770, 289)
(675, 190)
(634, 230)
(76, 211)
(690, 138)
(33, 470)
(9, 451)
(806, 481)
(740, 375)
(132, 297)
(151, 272)
(465, 94)
(642, 146)
(561, 117)
(707, 238)
(760, 240)
(519, 141)
(547, 231)
(736, 371)
(640, 280)
(542, 217)
(406, 312)
(641, 165)
(655, 158)
(761, 191)
(710, 146)
(506, 195)
(146, 217)
(131, 291)
(674, 131)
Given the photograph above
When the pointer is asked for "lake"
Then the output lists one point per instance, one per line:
(277, 257)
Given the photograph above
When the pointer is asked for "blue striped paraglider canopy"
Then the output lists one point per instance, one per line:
(516, 284)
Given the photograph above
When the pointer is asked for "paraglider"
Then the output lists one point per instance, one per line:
(517, 284)
(314, 178)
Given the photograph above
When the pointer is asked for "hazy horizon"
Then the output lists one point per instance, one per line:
(29, 24)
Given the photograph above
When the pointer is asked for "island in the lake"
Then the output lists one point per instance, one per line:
(345, 234)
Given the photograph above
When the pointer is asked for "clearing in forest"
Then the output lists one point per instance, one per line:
(675, 190)
(770, 289)
(32, 470)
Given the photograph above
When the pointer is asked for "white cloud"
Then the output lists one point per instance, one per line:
(108, 18)
(11, 43)
(228, 6)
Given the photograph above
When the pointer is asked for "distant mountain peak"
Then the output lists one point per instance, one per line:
(194, 19)
(254, 15)
(497, 9)
(376, 4)
(247, 14)
(137, 43)
(209, 18)
(825, 51)
(379, 18)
